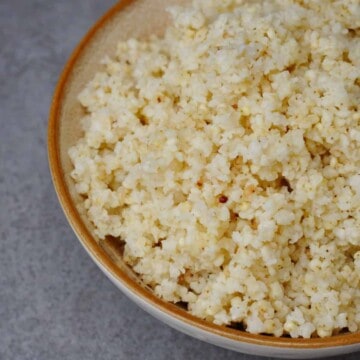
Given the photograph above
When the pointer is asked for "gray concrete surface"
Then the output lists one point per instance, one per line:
(54, 302)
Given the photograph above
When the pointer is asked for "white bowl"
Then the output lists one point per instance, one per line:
(139, 19)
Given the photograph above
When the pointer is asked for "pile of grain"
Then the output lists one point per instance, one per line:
(226, 155)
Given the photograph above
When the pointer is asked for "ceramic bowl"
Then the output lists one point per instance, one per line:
(139, 18)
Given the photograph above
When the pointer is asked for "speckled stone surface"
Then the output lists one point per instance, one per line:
(54, 302)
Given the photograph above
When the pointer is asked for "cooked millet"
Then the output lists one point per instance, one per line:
(256, 100)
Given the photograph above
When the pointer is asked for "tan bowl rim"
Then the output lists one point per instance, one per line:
(97, 252)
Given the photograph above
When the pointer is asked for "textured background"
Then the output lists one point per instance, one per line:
(54, 302)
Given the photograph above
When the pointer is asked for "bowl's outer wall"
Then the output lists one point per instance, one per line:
(139, 19)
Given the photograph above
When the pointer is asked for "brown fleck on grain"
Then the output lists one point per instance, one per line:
(249, 190)
(223, 199)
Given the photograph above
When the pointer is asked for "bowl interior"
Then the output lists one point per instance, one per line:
(127, 19)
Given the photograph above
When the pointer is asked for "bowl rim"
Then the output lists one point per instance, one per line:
(95, 250)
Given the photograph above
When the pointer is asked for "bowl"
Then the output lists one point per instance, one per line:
(139, 18)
